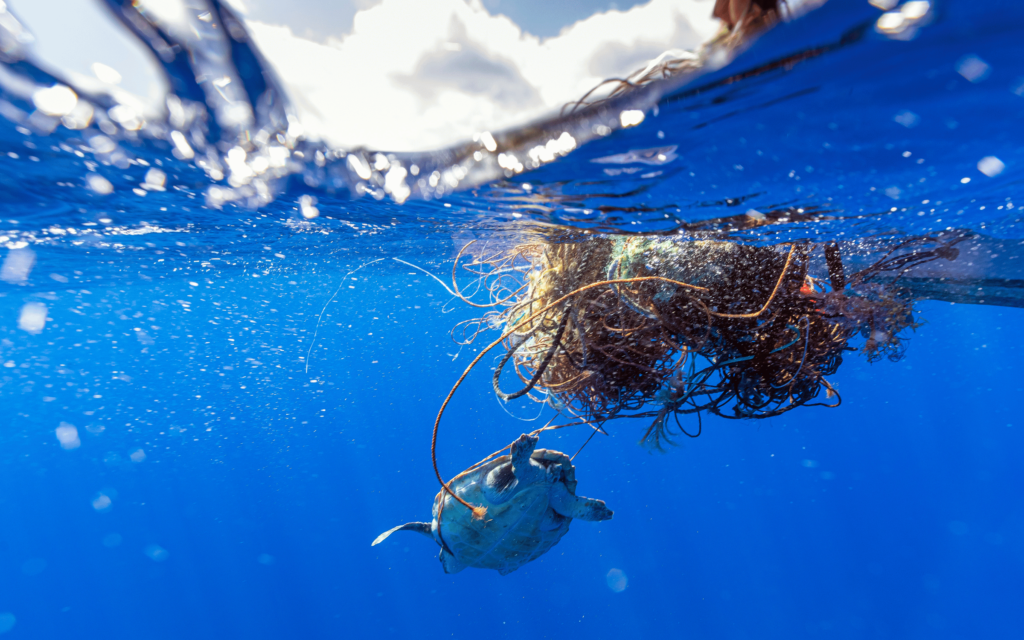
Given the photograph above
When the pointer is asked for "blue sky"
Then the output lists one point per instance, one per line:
(320, 19)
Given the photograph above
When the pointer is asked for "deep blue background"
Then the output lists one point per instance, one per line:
(897, 515)
(183, 331)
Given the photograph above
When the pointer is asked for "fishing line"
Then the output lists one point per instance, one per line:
(338, 290)
(321, 316)
(441, 282)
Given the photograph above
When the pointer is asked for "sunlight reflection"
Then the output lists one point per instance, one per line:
(99, 184)
(903, 23)
(307, 207)
(57, 100)
(631, 117)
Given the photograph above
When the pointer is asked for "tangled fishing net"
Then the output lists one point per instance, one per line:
(741, 20)
(610, 327)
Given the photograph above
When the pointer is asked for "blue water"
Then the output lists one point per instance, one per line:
(231, 472)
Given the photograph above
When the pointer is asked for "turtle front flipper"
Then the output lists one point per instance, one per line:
(418, 527)
(566, 503)
(522, 449)
(503, 480)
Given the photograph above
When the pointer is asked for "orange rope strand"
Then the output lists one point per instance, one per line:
(782, 275)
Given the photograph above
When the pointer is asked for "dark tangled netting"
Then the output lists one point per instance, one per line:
(741, 20)
(752, 336)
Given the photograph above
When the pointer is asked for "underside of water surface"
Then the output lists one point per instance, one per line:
(225, 343)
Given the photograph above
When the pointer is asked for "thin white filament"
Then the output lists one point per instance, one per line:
(441, 282)
(321, 316)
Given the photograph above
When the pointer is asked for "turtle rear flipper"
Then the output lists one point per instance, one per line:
(449, 562)
(573, 506)
(418, 527)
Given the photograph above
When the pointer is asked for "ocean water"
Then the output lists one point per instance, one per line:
(216, 392)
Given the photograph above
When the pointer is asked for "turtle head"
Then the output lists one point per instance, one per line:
(523, 447)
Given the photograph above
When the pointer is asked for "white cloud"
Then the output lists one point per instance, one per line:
(415, 75)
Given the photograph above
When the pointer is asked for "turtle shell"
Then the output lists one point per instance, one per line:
(514, 532)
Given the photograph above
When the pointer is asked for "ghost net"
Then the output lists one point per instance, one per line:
(611, 327)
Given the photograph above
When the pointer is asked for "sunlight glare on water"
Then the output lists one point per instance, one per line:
(244, 262)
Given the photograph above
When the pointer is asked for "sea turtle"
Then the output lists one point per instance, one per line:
(530, 498)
